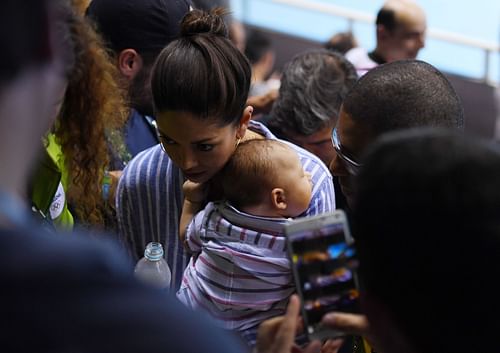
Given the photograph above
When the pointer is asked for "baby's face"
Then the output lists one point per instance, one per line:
(296, 183)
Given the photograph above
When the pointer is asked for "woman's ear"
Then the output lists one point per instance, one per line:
(129, 63)
(244, 121)
(278, 199)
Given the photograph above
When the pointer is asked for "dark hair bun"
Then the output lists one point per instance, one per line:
(198, 21)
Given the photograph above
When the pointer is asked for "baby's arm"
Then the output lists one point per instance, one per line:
(194, 197)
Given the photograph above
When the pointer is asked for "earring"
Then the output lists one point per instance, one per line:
(237, 142)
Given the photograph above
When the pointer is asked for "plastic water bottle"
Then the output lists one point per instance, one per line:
(152, 269)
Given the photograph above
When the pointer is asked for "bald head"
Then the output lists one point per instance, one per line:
(401, 26)
(404, 11)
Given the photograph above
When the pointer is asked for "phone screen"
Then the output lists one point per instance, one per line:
(324, 261)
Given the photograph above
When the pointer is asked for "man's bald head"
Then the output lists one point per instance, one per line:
(401, 26)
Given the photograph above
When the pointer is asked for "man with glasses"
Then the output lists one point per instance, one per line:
(399, 95)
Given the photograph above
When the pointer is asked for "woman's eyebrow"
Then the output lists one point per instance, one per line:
(205, 140)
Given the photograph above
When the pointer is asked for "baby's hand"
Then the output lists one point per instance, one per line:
(194, 192)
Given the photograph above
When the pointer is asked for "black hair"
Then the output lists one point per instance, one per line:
(428, 234)
(404, 94)
(202, 72)
(257, 45)
(24, 36)
(387, 18)
(313, 86)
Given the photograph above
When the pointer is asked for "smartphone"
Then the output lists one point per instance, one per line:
(324, 264)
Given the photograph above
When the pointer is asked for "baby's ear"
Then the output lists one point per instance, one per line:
(279, 199)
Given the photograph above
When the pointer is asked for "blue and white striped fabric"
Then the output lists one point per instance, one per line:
(149, 201)
(239, 276)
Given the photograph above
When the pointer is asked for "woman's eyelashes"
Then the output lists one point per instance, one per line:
(165, 140)
(205, 147)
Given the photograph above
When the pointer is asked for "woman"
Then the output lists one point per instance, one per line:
(89, 116)
(200, 85)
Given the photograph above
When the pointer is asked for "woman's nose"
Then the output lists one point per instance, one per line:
(188, 161)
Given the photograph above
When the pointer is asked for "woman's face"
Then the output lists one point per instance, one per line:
(199, 147)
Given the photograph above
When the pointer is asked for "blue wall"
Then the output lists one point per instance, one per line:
(478, 19)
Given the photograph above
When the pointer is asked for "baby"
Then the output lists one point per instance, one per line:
(239, 272)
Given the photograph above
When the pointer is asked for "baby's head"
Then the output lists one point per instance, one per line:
(266, 178)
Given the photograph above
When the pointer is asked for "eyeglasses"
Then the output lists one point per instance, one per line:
(351, 165)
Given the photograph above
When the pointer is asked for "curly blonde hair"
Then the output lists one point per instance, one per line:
(81, 5)
(93, 105)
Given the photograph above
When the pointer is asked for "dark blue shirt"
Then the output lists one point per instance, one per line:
(139, 133)
(65, 293)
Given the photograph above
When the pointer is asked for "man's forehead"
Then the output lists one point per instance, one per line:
(316, 137)
(411, 18)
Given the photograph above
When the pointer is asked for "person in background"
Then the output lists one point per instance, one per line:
(135, 32)
(395, 96)
(199, 127)
(341, 42)
(314, 84)
(443, 199)
(261, 55)
(400, 34)
(90, 114)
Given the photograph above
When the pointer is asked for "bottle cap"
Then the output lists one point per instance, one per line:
(154, 251)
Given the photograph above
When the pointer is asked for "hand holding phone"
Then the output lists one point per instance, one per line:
(324, 265)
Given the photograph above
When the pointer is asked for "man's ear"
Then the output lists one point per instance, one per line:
(244, 121)
(129, 63)
(278, 198)
(382, 32)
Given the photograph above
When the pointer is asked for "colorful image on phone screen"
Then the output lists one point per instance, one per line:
(325, 263)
